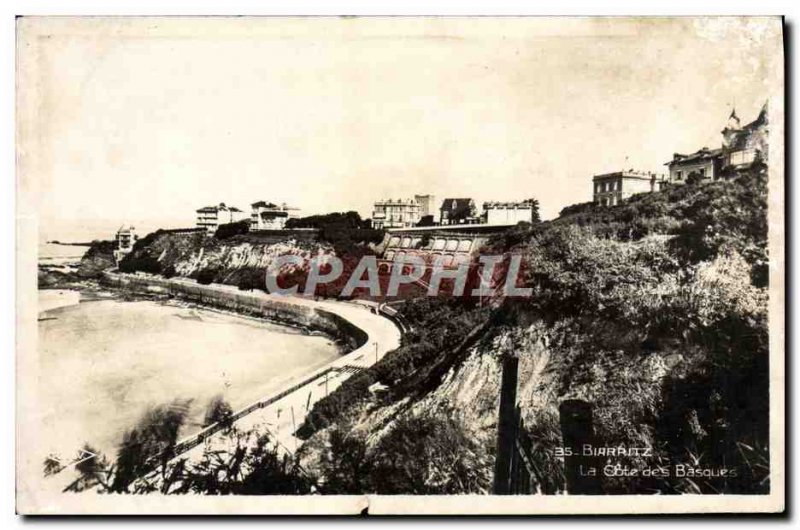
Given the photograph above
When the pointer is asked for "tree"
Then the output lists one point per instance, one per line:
(426, 220)
(535, 218)
(227, 230)
(349, 219)
(345, 465)
(52, 465)
(149, 444)
(219, 411)
(694, 178)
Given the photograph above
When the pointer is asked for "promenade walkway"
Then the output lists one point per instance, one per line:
(284, 409)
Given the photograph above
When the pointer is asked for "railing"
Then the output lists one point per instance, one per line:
(189, 443)
(392, 314)
(310, 316)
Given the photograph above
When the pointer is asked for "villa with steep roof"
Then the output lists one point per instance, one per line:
(741, 146)
(458, 211)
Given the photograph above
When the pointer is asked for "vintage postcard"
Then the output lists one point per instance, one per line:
(415, 265)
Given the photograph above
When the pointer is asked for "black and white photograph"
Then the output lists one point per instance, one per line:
(400, 265)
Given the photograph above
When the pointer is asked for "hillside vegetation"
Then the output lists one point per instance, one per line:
(234, 255)
(653, 311)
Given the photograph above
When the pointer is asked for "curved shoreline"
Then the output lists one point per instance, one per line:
(51, 299)
(370, 337)
(296, 312)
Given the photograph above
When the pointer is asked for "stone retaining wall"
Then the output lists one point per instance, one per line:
(244, 302)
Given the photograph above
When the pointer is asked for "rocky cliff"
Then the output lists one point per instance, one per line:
(190, 254)
(652, 312)
(97, 258)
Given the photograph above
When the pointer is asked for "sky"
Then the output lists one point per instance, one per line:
(146, 120)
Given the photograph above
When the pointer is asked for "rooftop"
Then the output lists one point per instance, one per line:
(520, 205)
(272, 205)
(220, 207)
(631, 174)
(409, 202)
(698, 156)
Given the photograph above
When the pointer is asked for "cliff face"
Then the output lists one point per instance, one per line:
(653, 313)
(98, 258)
(188, 254)
(231, 257)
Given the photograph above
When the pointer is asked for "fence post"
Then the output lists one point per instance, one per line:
(582, 471)
(506, 426)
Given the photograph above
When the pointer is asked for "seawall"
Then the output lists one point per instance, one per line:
(370, 335)
(286, 312)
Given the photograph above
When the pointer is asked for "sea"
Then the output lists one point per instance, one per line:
(103, 363)
(88, 230)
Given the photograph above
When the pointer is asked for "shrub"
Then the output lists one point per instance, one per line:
(134, 262)
(346, 232)
(206, 276)
(430, 454)
(343, 219)
(694, 178)
(439, 326)
(251, 278)
(227, 230)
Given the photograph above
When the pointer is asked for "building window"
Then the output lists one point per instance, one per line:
(743, 157)
(678, 175)
(702, 172)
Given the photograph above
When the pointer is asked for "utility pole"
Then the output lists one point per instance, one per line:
(577, 430)
(376, 352)
(506, 428)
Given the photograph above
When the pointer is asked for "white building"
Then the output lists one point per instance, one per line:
(125, 239)
(427, 205)
(400, 213)
(210, 217)
(508, 213)
(269, 216)
(611, 188)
